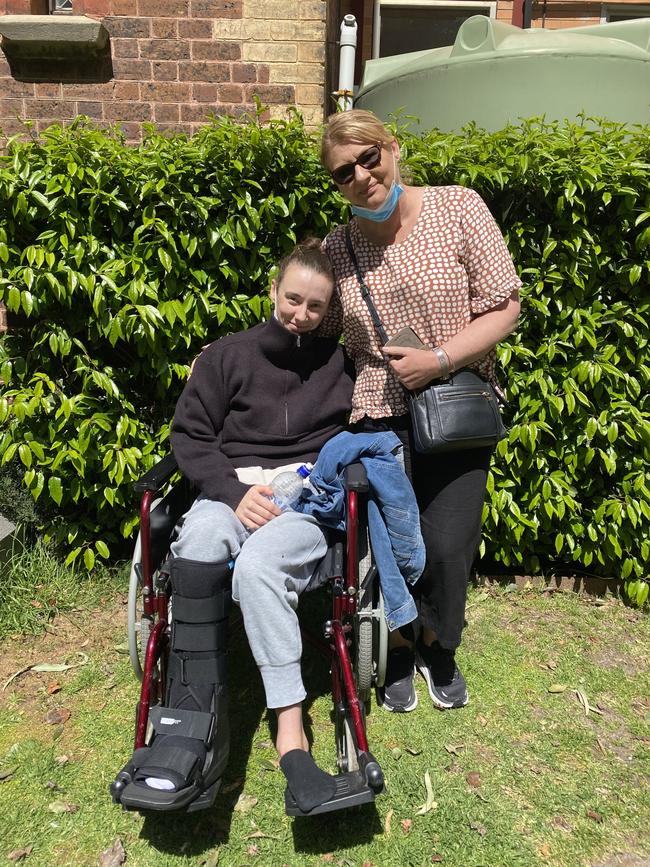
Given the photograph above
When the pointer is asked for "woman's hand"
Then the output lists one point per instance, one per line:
(413, 367)
(256, 507)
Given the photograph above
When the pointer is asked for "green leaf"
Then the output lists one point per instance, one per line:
(55, 488)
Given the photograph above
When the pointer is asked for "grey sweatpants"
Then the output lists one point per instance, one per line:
(273, 565)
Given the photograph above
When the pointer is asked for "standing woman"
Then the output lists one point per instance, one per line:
(433, 259)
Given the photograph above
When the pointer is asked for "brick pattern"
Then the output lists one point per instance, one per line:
(177, 62)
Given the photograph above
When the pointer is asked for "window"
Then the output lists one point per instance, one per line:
(401, 26)
(627, 12)
(57, 6)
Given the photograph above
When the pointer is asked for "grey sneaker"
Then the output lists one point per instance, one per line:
(437, 666)
(398, 693)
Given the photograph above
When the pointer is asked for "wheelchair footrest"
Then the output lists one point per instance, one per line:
(351, 791)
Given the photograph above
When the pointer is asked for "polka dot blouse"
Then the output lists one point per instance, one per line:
(452, 266)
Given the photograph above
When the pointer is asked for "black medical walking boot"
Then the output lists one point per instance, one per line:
(182, 765)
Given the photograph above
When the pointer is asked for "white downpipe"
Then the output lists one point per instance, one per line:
(346, 62)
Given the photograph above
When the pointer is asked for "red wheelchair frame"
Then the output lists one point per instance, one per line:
(360, 777)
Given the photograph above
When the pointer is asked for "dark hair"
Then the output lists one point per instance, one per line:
(310, 254)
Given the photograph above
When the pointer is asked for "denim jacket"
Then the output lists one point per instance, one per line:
(393, 516)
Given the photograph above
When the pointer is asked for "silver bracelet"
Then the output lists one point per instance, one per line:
(443, 359)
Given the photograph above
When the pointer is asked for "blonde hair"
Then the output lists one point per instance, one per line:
(356, 125)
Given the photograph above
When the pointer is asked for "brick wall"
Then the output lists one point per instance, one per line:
(175, 62)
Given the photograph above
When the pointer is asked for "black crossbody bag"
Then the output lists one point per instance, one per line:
(461, 412)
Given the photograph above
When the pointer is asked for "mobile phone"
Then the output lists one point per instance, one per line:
(406, 338)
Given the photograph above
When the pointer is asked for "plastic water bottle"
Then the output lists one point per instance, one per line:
(287, 487)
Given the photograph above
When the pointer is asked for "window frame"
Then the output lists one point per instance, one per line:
(608, 8)
(489, 5)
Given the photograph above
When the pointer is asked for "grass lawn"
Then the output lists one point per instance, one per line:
(524, 775)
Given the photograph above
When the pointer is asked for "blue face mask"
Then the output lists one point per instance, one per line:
(384, 211)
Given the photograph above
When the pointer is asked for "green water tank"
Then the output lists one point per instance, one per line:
(495, 74)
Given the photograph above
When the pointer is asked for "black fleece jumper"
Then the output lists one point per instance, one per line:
(262, 397)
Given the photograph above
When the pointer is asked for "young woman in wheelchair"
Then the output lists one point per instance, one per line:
(257, 402)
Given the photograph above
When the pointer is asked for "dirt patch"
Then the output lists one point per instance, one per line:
(624, 861)
(68, 638)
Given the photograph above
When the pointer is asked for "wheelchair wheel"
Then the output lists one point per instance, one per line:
(371, 629)
(138, 625)
(364, 619)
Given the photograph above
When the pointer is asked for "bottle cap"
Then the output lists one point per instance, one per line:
(304, 470)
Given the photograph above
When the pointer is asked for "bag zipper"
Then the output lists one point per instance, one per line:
(443, 396)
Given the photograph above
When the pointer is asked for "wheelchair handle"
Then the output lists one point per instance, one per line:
(356, 478)
(158, 475)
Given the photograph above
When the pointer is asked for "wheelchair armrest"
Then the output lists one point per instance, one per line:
(356, 478)
(158, 475)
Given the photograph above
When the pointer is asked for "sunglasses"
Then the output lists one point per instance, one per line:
(368, 159)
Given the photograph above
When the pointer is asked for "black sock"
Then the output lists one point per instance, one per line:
(308, 784)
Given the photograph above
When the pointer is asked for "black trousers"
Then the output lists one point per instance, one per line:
(450, 490)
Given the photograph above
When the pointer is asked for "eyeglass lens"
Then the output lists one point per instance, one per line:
(367, 160)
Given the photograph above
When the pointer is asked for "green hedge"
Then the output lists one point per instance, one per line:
(118, 264)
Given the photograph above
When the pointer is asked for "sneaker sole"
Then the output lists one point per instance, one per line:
(426, 674)
(397, 709)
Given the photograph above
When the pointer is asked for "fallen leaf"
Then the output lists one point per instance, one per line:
(121, 648)
(429, 804)
(406, 825)
(396, 753)
(7, 773)
(19, 854)
(562, 824)
(57, 716)
(14, 676)
(114, 856)
(264, 745)
(544, 850)
(473, 779)
(211, 860)
(53, 687)
(551, 665)
(584, 701)
(328, 856)
(230, 787)
(481, 830)
(260, 835)
(253, 850)
(389, 816)
(454, 748)
(592, 814)
(436, 859)
(270, 765)
(245, 803)
(50, 784)
(482, 719)
(62, 807)
(557, 687)
(412, 751)
(62, 760)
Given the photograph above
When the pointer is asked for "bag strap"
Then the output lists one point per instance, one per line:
(365, 292)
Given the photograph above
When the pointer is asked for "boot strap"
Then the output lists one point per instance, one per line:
(198, 637)
(206, 609)
(207, 670)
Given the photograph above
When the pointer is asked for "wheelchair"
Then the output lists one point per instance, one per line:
(354, 639)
